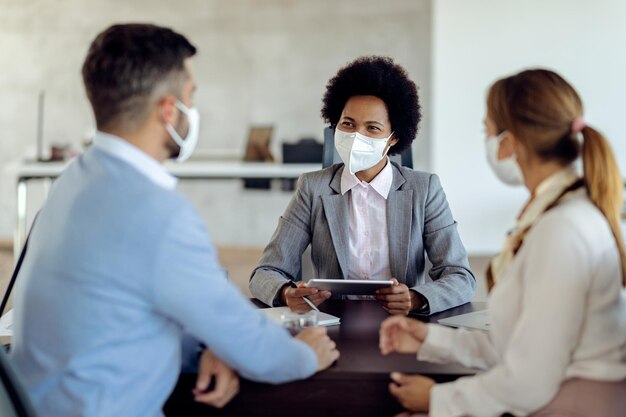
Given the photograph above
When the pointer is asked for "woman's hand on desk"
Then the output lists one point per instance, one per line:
(226, 381)
(398, 299)
(323, 346)
(402, 335)
(293, 297)
(405, 335)
(412, 391)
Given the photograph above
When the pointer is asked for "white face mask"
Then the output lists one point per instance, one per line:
(188, 144)
(507, 170)
(359, 152)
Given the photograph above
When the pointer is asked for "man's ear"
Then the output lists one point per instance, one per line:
(166, 108)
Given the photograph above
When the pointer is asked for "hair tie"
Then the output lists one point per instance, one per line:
(577, 125)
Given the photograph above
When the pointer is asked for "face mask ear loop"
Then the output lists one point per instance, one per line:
(170, 129)
(388, 145)
(500, 138)
(182, 107)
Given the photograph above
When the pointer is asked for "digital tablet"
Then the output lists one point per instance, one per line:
(349, 286)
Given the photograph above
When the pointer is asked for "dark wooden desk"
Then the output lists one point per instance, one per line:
(357, 385)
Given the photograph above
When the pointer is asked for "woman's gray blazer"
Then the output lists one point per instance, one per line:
(419, 222)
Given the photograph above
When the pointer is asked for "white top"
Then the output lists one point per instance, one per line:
(135, 157)
(546, 193)
(368, 236)
(558, 312)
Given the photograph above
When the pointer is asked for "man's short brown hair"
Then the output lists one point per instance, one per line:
(127, 66)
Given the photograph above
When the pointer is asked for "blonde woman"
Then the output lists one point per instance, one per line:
(558, 306)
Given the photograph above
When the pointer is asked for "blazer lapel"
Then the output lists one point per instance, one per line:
(336, 209)
(399, 220)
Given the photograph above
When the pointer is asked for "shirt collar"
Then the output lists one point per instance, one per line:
(144, 163)
(381, 182)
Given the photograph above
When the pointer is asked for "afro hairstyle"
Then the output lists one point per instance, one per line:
(376, 76)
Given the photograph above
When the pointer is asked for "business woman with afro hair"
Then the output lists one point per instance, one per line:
(368, 217)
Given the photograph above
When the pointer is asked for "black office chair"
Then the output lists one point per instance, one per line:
(305, 151)
(13, 399)
(330, 155)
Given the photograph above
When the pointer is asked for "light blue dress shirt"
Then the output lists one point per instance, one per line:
(119, 266)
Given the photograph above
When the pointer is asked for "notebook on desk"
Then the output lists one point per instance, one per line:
(477, 320)
(323, 319)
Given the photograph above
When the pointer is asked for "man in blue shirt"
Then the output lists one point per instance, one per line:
(120, 265)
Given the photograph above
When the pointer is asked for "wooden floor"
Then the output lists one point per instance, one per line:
(239, 263)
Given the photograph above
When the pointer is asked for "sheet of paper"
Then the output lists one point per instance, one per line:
(6, 324)
(323, 319)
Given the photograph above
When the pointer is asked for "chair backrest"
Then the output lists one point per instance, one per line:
(13, 399)
(330, 155)
(307, 150)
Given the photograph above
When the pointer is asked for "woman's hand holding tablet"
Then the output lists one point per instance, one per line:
(293, 295)
(396, 298)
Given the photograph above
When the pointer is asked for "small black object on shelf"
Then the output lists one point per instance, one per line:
(305, 151)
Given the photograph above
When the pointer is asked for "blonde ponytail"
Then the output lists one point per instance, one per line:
(604, 184)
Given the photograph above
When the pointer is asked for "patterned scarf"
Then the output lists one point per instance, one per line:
(548, 195)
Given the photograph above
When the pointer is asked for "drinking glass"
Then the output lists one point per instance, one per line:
(296, 322)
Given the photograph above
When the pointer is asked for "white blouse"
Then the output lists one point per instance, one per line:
(558, 312)
(368, 238)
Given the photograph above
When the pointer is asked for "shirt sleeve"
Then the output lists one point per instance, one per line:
(472, 349)
(555, 277)
(192, 290)
(452, 283)
(281, 258)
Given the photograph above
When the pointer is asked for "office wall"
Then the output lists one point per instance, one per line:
(259, 62)
(477, 41)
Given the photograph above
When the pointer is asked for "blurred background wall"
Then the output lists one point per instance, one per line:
(476, 42)
(267, 62)
(259, 62)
